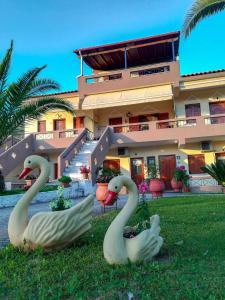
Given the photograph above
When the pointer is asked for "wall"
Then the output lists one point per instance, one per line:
(190, 149)
(198, 96)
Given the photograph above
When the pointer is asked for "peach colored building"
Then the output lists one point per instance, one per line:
(134, 110)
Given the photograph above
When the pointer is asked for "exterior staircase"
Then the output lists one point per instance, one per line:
(82, 158)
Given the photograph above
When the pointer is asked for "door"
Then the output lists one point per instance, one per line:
(137, 169)
(167, 164)
(41, 126)
(78, 122)
(116, 121)
(59, 124)
(55, 170)
(134, 120)
(220, 157)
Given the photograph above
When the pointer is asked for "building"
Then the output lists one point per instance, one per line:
(140, 111)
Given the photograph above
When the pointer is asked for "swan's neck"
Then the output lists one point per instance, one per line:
(122, 218)
(19, 216)
(114, 243)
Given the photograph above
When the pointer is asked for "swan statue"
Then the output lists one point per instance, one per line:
(141, 248)
(50, 230)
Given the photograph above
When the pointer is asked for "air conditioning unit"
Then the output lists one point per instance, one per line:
(123, 151)
(206, 146)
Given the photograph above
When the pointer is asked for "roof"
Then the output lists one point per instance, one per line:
(203, 73)
(56, 94)
(147, 50)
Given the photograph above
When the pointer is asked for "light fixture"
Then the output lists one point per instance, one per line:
(129, 114)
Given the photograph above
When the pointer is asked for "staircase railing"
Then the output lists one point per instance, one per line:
(16, 154)
(99, 152)
(67, 155)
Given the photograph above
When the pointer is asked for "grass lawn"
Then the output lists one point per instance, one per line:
(191, 264)
(46, 188)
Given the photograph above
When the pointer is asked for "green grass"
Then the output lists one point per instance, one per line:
(192, 269)
(46, 188)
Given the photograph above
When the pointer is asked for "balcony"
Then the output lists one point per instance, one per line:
(176, 131)
(123, 79)
(54, 139)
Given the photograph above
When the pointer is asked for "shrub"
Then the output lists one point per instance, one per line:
(65, 179)
(60, 203)
(106, 174)
(217, 171)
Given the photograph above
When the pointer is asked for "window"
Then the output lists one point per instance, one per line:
(116, 121)
(217, 108)
(150, 162)
(59, 124)
(112, 164)
(41, 126)
(195, 162)
(192, 110)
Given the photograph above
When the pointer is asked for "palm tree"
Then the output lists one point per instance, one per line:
(19, 103)
(200, 10)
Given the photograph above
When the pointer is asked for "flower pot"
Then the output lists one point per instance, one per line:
(156, 187)
(176, 185)
(65, 184)
(85, 175)
(223, 189)
(186, 189)
(30, 182)
(101, 192)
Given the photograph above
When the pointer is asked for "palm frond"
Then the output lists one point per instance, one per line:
(42, 85)
(200, 10)
(4, 68)
(216, 170)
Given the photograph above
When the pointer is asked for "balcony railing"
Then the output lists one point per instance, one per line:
(178, 130)
(49, 135)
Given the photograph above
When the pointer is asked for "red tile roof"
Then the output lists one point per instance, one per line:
(203, 73)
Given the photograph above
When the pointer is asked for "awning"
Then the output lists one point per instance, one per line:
(136, 96)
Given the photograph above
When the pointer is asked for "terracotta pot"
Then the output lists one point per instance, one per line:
(156, 187)
(177, 186)
(30, 182)
(101, 192)
(186, 189)
(85, 175)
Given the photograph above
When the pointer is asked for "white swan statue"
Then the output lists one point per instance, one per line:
(141, 248)
(50, 230)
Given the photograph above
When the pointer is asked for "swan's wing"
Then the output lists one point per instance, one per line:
(58, 229)
(147, 244)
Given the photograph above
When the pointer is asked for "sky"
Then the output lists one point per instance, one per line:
(47, 32)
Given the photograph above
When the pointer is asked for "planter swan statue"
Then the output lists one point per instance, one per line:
(50, 230)
(141, 248)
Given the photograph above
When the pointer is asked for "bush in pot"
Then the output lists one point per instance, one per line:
(156, 185)
(186, 183)
(60, 203)
(178, 177)
(84, 170)
(65, 181)
(217, 171)
(103, 179)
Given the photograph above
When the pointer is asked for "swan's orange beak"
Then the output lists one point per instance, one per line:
(25, 172)
(110, 198)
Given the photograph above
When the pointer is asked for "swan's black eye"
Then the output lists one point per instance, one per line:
(29, 161)
(116, 187)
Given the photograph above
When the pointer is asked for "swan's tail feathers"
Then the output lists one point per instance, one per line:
(155, 224)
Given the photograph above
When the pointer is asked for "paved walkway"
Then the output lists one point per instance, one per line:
(38, 207)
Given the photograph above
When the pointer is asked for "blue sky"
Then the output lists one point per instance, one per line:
(46, 32)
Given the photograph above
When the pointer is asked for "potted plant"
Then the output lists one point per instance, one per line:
(186, 183)
(177, 180)
(217, 171)
(65, 181)
(84, 170)
(156, 185)
(103, 178)
(60, 203)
